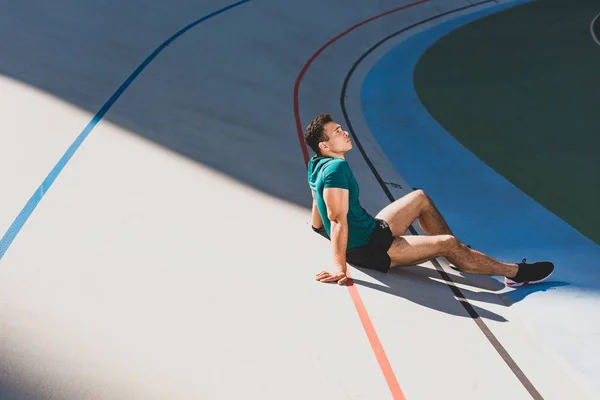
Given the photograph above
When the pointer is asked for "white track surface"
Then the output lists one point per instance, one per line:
(172, 258)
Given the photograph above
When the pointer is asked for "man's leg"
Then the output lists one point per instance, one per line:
(401, 214)
(411, 250)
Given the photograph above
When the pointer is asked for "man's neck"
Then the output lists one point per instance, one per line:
(334, 155)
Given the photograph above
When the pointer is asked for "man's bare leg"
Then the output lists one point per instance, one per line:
(411, 250)
(416, 205)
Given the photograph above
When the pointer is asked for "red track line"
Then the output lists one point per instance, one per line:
(382, 359)
(318, 53)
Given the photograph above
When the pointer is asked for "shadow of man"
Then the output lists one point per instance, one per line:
(425, 286)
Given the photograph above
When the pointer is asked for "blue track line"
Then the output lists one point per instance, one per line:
(37, 196)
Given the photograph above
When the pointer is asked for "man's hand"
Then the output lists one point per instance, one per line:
(338, 277)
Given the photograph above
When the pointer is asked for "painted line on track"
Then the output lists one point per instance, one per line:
(595, 21)
(455, 290)
(317, 54)
(41, 191)
(376, 345)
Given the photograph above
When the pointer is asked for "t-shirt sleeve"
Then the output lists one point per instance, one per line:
(337, 177)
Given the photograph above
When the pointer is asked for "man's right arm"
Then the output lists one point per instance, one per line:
(336, 200)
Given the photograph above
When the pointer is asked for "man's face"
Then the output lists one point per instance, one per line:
(339, 141)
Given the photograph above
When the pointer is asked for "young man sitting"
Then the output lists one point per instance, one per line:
(378, 242)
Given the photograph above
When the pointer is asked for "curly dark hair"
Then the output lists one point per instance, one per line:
(315, 133)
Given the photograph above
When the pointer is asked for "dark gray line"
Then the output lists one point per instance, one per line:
(455, 290)
(595, 29)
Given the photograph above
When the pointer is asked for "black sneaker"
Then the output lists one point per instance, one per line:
(530, 273)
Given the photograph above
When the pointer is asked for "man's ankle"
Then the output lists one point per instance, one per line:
(512, 273)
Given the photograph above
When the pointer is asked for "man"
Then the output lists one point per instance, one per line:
(379, 243)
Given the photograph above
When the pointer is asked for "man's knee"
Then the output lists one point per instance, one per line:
(419, 193)
(421, 197)
(448, 242)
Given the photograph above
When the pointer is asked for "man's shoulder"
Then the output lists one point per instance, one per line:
(335, 164)
(328, 166)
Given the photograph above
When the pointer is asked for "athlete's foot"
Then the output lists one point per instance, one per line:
(530, 273)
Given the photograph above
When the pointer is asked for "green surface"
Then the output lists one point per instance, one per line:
(521, 90)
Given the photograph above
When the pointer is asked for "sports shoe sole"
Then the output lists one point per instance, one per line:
(510, 283)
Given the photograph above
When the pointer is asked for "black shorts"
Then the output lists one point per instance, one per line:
(373, 255)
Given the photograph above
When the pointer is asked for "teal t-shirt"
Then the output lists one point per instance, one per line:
(328, 172)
